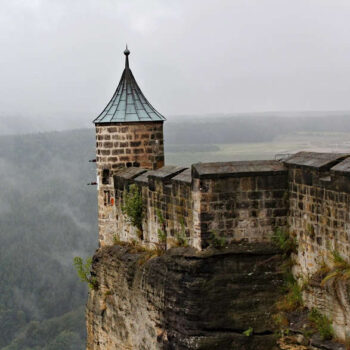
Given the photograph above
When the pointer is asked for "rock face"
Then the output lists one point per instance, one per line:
(184, 299)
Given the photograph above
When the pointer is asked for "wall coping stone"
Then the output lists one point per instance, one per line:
(343, 167)
(130, 173)
(185, 176)
(237, 169)
(143, 178)
(167, 172)
(315, 160)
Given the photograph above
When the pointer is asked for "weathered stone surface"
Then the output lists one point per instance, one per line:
(315, 160)
(184, 299)
(239, 201)
(319, 206)
(237, 168)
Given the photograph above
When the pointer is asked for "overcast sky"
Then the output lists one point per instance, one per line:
(62, 59)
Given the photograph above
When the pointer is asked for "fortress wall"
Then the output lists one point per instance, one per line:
(167, 204)
(319, 191)
(235, 200)
(180, 218)
(240, 200)
(309, 192)
(170, 206)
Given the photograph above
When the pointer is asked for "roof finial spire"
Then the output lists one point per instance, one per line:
(126, 53)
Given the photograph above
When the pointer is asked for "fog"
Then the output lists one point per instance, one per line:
(236, 79)
(61, 59)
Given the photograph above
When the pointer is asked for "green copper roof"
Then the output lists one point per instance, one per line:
(128, 103)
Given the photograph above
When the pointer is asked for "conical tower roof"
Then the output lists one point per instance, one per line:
(128, 103)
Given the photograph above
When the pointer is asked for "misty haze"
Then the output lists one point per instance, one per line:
(236, 81)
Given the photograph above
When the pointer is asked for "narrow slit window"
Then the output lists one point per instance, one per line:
(105, 176)
(107, 198)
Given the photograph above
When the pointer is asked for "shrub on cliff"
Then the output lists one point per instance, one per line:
(340, 269)
(132, 206)
(321, 323)
(84, 271)
(284, 240)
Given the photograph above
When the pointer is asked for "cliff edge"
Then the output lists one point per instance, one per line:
(184, 299)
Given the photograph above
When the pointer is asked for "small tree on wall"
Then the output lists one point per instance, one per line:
(132, 206)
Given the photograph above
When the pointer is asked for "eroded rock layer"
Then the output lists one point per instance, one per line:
(184, 299)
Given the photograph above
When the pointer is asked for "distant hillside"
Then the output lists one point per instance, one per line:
(249, 128)
(47, 216)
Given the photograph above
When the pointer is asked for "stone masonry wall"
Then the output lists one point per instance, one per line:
(240, 200)
(167, 204)
(244, 202)
(319, 196)
(120, 145)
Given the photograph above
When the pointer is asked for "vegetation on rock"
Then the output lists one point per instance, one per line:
(217, 241)
(84, 271)
(321, 323)
(340, 269)
(132, 206)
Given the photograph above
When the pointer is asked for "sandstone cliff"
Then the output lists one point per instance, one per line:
(184, 299)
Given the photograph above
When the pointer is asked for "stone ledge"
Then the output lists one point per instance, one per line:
(343, 167)
(130, 173)
(185, 176)
(315, 160)
(167, 172)
(237, 169)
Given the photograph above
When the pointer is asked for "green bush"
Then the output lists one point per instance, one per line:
(181, 238)
(162, 236)
(248, 332)
(132, 206)
(217, 241)
(284, 240)
(339, 271)
(84, 271)
(321, 323)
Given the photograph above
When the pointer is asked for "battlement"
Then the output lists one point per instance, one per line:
(307, 194)
(233, 200)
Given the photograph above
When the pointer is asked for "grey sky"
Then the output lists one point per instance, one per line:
(61, 59)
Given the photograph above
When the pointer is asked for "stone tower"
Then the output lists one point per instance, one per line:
(129, 132)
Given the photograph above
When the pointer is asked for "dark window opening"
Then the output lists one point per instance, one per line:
(105, 176)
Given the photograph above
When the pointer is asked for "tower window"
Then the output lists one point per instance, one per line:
(105, 176)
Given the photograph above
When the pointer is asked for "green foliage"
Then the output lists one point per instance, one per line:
(217, 241)
(284, 240)
(292, 297)
(161, 236)
(160, 217)
(321, 323)
(181, 238)
(248, 332)
(132, 206)
(66, 332)
(339, 271)
(84, 272)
